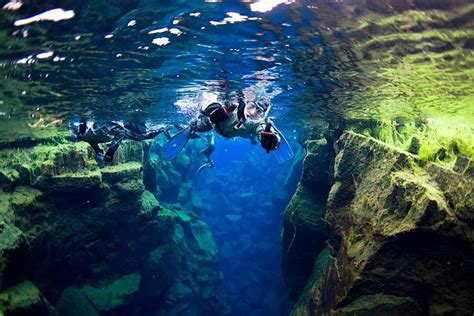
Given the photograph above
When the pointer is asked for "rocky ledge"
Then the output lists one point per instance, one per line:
(78, 237)
(392, 237)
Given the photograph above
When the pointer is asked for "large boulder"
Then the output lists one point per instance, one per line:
(401, 242)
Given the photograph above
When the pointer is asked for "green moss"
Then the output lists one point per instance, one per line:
(20, 297)
(437, 142)
(113, 294)
(149, 204)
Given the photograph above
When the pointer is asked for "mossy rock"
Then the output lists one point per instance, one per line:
(74, 302)
(114, 294)
(129, 151)
(8, 178)
(24, 299)
(381, 304)
(24, 196)
(316, 162)
(149, 204)
(70, 182)
(161, 268)
(134, 187)
(122, 172)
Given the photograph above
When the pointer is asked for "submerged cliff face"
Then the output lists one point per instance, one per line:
(401, 235)
(82, 238)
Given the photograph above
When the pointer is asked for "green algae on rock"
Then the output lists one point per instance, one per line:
(396, 230)
(305, 232)
(24, 299)
(89, 236)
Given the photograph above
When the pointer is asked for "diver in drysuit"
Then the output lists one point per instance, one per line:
(206, 153)
(114, 132)
(249, 120)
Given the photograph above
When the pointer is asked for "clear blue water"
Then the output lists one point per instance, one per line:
(160, 61)
(244, 198)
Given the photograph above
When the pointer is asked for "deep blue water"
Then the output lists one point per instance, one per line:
(244, 198)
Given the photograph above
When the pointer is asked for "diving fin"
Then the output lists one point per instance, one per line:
(283, 152)
(176, 143)
(203, 166)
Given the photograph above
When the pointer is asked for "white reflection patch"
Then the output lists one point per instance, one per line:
(54, 15)
(162, 30)
(175, 31)
(267, 5)
(44, 55)
(233, 17)
(13, 5)
(161, 41)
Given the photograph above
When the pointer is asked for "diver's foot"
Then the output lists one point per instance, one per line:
(109, 155)
(108, 158)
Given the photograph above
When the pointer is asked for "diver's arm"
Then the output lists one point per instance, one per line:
(202, 124)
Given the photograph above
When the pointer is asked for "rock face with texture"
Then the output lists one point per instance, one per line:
(80, 237)
(304, 233)
(401, 241)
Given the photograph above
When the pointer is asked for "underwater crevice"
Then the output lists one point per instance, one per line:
(304, 229)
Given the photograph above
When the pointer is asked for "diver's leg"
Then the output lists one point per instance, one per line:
(98, 151)
(206, 153)
(153, 134)
(109, 155)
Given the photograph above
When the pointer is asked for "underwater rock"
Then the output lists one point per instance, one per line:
(24, 299)
(304, 231)
(70, 182)
(8, 177)
(95, 242)
(161, 269)
(233, 217)
(114, 294)
(123, 172)
(74, 302)
(149, 204)
(401, 241)
(381, 304)
(316, 163)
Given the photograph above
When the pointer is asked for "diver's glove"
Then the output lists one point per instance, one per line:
(269, 139)
(100, 156)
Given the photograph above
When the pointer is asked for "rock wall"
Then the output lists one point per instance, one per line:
(401, 235)
(80, 237)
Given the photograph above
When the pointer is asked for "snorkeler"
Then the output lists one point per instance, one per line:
(248, 120)
(114, 132)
